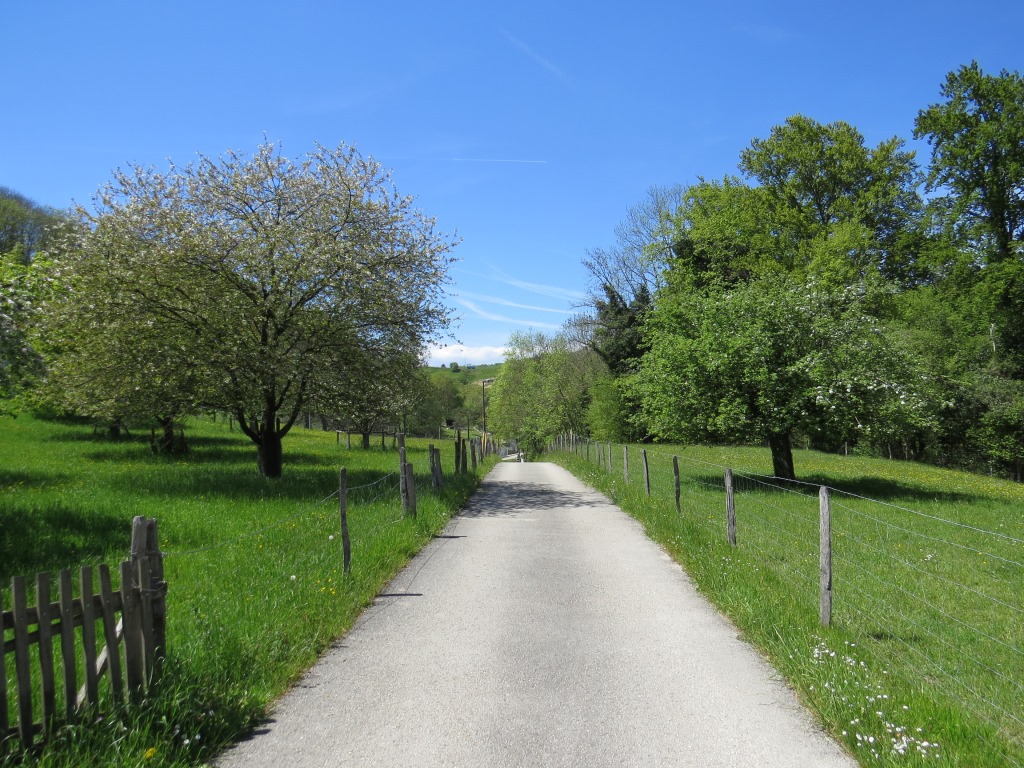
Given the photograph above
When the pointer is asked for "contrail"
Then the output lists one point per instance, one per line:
(502, 319)
(537, 58)
(507, 303)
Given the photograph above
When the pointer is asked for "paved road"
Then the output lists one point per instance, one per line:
(541, 629)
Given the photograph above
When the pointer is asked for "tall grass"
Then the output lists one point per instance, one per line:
(254, 567)
(923, 663)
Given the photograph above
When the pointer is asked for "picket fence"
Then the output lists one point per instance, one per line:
(64, 635)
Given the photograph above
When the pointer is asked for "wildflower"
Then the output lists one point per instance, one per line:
(293, 577)
(149, 754)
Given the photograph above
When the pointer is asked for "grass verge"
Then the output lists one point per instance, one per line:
(254, 567)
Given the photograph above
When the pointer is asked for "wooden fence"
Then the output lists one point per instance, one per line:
(64, 635)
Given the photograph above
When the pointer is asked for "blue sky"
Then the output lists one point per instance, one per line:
(528, 128)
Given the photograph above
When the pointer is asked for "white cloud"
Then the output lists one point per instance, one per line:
(463, 354)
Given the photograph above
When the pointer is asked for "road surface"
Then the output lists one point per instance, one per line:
(542, 628)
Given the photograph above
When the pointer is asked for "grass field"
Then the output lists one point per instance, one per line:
(254, 567)
(924, 662)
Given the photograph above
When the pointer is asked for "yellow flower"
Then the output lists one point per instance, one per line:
(150, 753)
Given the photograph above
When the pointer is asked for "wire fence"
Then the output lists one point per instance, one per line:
(934, 592)
(379, 499)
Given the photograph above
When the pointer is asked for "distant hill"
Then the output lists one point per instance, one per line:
(465, 374)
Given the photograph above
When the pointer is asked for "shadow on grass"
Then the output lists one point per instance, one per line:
(876, 488)
(243, 483)
(17, 480)
(50, 537)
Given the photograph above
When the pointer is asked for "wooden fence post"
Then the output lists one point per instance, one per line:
(465, 459)
(647, 471)
(608, 456)
(730, 507)
(346, 544)
(348, 439)
(90, 688)
(625, 463)
(458, 450)
(159, 597)
(675, 472)
(410, 487)
(403, 484)
(45, 643)
(472, 452)
(22, 676)
(433, 469)
(141, 579)
(438, 469)
(110, 635)
(67, 645)
(825, 556)
(131, 622)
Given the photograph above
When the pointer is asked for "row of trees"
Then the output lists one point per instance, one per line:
(253, 285)
(834, 294)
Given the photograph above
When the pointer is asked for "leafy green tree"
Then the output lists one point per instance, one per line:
(543, 389)
(768, 359)
(261, 278)
(821, 182)
(977, 170)
(977, 140)
(25, 226)
(723, 231)
(513, 409)
(610, 408)
(375, 387)
(430, 404)
(23, 288)
(617, 337)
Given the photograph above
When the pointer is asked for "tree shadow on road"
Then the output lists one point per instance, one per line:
(515, 499)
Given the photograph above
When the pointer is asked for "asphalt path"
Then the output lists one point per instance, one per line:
(542, 628)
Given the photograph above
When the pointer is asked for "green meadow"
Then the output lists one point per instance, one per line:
(256, 588)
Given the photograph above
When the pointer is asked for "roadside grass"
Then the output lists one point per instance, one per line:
(254, 567)
(924, 661)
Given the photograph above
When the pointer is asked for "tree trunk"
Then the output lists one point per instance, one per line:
(166, 442)
(270, 454)
(366, 441)
(782, 455)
